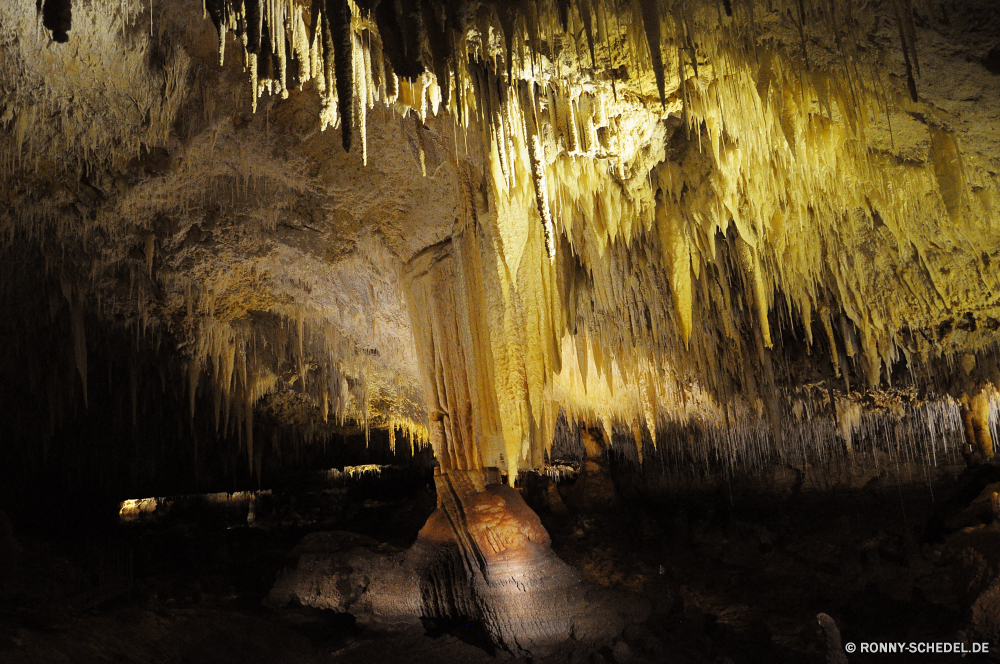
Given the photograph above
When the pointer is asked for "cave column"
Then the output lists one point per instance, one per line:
(441, 348)
(484, 554)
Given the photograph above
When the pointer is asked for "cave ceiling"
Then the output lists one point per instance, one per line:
(635, 213)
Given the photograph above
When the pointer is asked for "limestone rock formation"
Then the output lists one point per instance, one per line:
(482, 556)
(737, 236)
(663, 216)
(344, 572)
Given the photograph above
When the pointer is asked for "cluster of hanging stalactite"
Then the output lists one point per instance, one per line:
(668, 193)
(110, 412)
(76, 120)
(633, 179)
(112, 105)
(865, 442)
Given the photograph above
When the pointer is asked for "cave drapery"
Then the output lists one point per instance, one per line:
(650, 215)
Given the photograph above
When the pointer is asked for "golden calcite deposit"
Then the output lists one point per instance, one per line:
(638, 210)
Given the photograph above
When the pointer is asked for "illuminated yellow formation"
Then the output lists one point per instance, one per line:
(651, 199)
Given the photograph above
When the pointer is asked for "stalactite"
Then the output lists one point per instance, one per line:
(362, 85)
(650, 12)
(587, 16)
(601, 247)
(254, 25)
(541, 194)
(338, 15)
(907, 36)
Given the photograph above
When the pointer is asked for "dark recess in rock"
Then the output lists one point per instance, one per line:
(992, 60)
(57, 16)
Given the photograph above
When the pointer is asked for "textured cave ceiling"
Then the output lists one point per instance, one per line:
(457, 219)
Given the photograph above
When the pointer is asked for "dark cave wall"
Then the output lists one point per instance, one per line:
(134, 433)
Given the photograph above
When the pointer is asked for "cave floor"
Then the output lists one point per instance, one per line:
(742, 579)
(732, 578)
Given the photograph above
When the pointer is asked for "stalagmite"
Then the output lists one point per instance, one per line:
(612, 258)
(528, 236)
